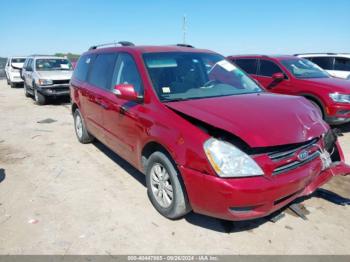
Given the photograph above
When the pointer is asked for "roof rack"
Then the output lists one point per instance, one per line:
(122, 43)
(185, 45)
(319, 53)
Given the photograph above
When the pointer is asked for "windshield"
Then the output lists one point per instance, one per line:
(46, 64)
(303, 68)
(182, 76)
(17, 60)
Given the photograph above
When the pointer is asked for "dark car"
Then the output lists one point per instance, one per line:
(202, 131)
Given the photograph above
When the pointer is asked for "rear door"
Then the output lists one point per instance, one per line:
(121, 117)
(98, 83)
(266, 69)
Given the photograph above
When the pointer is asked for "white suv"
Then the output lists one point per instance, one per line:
(12, 69)
(337, 65)
(46, 76)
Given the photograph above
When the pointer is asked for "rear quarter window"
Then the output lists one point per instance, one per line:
(82, 67)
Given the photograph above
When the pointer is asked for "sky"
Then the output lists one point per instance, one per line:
(225, 26)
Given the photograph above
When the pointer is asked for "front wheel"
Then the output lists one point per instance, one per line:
(164, 187)
(25, 90)
(39, 98)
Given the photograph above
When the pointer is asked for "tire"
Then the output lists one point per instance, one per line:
(13, 85)
(318, 108)
(170, 200)
(39, 98)
(26, 94)
(8, 81)
(80, 128)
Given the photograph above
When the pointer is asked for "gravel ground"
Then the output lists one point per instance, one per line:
(58, 196)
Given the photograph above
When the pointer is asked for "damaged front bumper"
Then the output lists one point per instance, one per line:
(253, 197)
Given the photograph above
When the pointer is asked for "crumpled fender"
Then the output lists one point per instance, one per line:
(340, 169)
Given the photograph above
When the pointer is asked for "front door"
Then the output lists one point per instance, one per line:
(121, 119)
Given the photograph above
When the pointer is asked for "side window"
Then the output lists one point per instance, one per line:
(324, 62)
(342, 64)
(268, 68)
(250, 66)
(82, 67)
(126, 72)
(30, 65)
(25, 64)
(102, 71)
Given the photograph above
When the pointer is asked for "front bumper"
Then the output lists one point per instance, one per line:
(54, 90)
(338, 114)
(248, 198)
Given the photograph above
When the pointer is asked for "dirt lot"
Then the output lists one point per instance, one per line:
(58, 196)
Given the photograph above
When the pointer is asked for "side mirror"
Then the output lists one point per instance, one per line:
(278, 77)
(125, 91)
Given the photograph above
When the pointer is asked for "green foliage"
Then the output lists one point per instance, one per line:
(70, 56)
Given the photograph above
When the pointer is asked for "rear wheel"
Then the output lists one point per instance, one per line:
(164, 187)
(80, 129)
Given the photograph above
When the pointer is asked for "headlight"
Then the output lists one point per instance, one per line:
(340, 98)
(228, 161)
(45, 82)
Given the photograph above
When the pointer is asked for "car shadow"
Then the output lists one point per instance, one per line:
(139, 177)
(2, 174)
(58, 101)
(345, 128)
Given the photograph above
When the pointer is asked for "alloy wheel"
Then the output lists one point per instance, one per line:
(161, 185)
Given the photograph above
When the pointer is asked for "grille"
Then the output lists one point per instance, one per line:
(279, 155)
(60, 82)
(290, 159)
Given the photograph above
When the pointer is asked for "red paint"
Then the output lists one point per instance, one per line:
(317, 88)
(260, 120)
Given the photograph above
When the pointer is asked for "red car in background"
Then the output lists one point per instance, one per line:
(206, 136)
(298, 76)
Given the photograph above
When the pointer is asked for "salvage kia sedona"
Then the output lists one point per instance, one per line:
(206, 136)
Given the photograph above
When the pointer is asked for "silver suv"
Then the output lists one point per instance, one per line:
(46, 76)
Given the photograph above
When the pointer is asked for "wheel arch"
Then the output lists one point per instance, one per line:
(317, 100)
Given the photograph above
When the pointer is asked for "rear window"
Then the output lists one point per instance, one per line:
(342, 64)
(250, 66)
(324, 62)
(18, 60)
(82, 67)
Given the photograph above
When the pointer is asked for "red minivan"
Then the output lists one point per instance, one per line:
(298, 76)
(206, 136)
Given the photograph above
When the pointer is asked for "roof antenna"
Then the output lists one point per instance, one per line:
(184, 29)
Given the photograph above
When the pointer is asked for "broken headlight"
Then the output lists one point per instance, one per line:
(228, 161)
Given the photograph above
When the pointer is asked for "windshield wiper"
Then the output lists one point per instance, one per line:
(175, 99)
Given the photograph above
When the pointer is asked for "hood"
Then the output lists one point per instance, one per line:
(261, 120)
(56, 75)
(333, 84)
(17, 65)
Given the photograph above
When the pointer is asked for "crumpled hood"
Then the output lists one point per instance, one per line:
(260, 120)
(333, 84)
(56, 75)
